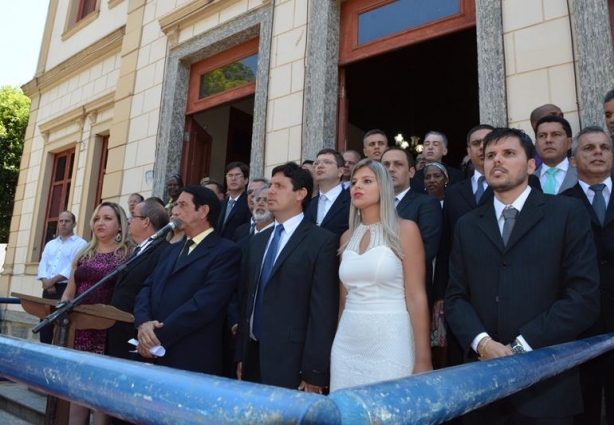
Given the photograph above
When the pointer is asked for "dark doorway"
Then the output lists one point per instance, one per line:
(432, 85)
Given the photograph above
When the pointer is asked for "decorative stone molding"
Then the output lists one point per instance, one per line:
(100, 50)
(112, 3)
(77, 116)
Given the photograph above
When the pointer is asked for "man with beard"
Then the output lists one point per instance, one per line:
(523, 275)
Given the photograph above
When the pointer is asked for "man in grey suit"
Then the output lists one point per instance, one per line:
(553, 141)
(523, 275)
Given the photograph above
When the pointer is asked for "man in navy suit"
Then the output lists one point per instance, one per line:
(421, 208)
(235, 209)
(291, 303)
(183, 303)
(552, 142)
(523, 275)
(148, 217)
(592, 156)
(330, 209)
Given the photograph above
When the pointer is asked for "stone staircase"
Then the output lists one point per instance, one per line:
(19, 405)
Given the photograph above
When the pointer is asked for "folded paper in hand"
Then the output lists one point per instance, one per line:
(158, 350)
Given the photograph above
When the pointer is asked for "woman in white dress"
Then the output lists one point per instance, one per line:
(384, 328)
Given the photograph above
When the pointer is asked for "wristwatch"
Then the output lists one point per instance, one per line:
(517, 347)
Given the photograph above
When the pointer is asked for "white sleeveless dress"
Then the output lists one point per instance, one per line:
(374, 341)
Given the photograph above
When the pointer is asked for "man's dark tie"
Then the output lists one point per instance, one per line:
(183, 255)
(480, 190)
(136, 251)
(229, 206)
(509, 214)
(599, 201)
(267, 268)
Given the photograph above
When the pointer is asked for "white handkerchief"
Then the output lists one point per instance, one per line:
(158, 350)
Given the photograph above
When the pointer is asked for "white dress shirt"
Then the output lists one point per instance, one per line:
(474, 181)
(58, 256)
(607, 191)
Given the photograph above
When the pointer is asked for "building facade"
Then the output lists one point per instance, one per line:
(128, 91)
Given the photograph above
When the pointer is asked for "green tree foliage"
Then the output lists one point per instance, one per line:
(226, 78)
(14, 114)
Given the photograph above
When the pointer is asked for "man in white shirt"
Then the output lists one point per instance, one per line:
(592, 156)
(553, 141)
(56, 263)
(523, 275)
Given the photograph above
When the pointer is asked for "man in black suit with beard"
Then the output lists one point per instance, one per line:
(410, 204)
(291, 304)
(592, 156)
(149, 217)
(523, 275)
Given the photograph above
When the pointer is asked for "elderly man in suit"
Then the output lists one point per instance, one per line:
(331, 208)
(523, 275)
(290, 308)
(435, 148)
(553, 141)
(423, 209)
(183, 303)
(234, 209)
(149, 217)
(592, 156)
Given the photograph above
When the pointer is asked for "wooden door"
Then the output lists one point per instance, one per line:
(196, 152)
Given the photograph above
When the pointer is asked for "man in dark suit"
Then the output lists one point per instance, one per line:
(331, 208)
(501, 300)
(248, 227)
(423, 209)
(435, 148)
(183, 303)
(592, 156)
(291, 303)
(552, 142)
(149, 217)
(235, 210)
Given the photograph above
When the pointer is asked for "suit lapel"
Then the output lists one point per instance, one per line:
(609, 212)
(406, 202)
(294, 241)
(571, 178)
(200, 251)
(578, 193)
(531, 213)
(488, 224)
(466, 191)
(337, 206)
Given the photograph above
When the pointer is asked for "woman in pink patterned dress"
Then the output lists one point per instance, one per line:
(108, 248)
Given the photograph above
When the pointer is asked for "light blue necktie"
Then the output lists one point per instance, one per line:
(480, 190)
(321, 209)
(229, 207)
(265, 274)
(550, 185)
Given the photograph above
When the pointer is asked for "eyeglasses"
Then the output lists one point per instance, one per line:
(234, 176)
(324, 162)
(260, 199)
(137, 216)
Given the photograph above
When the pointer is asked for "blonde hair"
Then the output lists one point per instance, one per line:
(387, 212)
(122, 249)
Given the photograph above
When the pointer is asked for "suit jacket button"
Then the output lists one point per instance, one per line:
(497, 298)
(504, 265)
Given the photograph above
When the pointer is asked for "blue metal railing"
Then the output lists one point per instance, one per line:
(156, 395)
(10, 301)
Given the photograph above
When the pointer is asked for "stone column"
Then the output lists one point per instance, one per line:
(321, 79)
(491, 63)
(593, 52)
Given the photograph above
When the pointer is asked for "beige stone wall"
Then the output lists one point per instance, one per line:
(538, 58)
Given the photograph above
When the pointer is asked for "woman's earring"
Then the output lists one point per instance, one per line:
(118, 238)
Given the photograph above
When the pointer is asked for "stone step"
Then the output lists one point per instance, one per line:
(23, 404)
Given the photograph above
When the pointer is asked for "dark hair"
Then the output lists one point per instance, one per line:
(155, 212)
(478, 128)
(504, 132)
(299, 177)
(372, 132)
(410, 158)
(141, 199)
(176, 177)
(608, 96)
(440, 134)
(237, 164)
(553, 118)
(156, 199)
(338, 157)
(203, 196)
(218, 185)
(307, 161)
(587, 130)
(74, 219)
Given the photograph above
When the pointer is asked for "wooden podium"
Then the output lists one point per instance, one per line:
(84, 316)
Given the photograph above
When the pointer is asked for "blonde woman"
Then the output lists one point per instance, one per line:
(384, 328)
(108, 248)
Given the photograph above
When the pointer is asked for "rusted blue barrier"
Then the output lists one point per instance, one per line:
(156, 395)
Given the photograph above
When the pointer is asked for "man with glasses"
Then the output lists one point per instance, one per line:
(235, 210)
(330, 210)
(149, 217)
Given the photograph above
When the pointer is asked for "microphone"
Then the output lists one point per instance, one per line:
(174, 224)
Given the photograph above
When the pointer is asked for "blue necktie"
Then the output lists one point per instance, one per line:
(550, 185)
(599, 201)
(480, 190)
(231, 204)
(265, 274)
